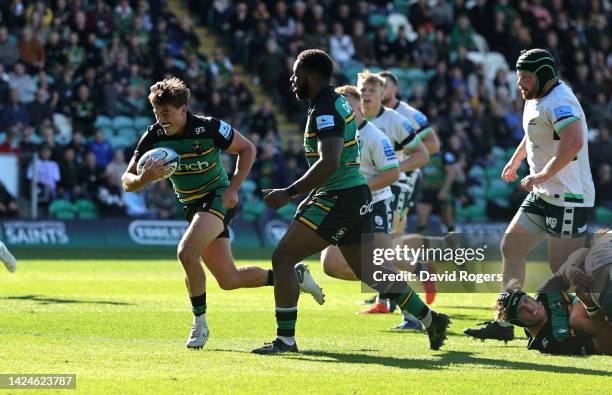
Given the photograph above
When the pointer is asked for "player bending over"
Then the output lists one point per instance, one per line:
(209, 198)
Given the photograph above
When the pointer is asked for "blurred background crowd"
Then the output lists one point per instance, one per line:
(74, 76)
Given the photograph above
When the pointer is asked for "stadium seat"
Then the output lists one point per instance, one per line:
(377, 20)
(141, 123)
(122, 121)
(103, 122)
(120, 142)
(62, 209)
(129, 133)
(86, 209)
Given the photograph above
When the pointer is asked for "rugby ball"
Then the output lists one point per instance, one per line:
(169, 158)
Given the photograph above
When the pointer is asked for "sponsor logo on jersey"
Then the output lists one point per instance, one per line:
(562, 112)
(339, 234)
(551, 221)
(366, 208)
(198, 165)
(378, 220)
(389, 153)
(199, 130)
(225, 130)
(324, 121)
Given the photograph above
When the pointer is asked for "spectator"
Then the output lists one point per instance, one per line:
(221, 67)
(47, 174)
(14, 113)
(9, 52)
(264, 121)
(110, 198)
(161, 199)
(79, 147)
(118, 166)
(40, 109)
(102, 149)
(31, 50)
(83, 111)
(91, 176)
(23, 83)
(69, 187)
(270, 65)
(364, 48)
(8, 203)
(11, 144)
(341, 46)
(462, 35)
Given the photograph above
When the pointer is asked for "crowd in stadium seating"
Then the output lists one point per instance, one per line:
(454, 60)
(74, 76)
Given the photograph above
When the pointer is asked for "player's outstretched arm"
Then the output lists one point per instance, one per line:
(330, 149)
(246, 151)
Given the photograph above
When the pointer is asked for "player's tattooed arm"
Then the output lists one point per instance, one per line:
(329, 149)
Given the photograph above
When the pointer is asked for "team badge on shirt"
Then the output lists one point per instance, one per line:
(197, 148)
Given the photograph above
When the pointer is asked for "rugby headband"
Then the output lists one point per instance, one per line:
(511, 300)
(540, 63)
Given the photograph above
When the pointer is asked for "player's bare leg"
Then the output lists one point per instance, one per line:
(334, 264)
(298, 243)
(203, 230)
(516, 244)
(219, 260)
(406, 298)
(559, 249)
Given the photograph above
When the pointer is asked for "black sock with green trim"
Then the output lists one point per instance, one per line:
(198, 304)
(285, 323)
(270, 280)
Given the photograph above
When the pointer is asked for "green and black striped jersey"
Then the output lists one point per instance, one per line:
(200, 167)
(331, 115)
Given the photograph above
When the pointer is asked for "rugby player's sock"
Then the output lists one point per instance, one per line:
(270, 280)
(198, 304)
(382, 299)
(451, 228)
(407, 316)
(426, 319)
(285, 324)
(409, 301)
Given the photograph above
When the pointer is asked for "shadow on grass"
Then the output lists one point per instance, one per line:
(44, 300)
(445, 359)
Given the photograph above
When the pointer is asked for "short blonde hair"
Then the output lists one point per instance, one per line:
(367, 77)
(349, 91)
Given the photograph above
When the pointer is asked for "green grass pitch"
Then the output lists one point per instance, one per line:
(120, 326)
